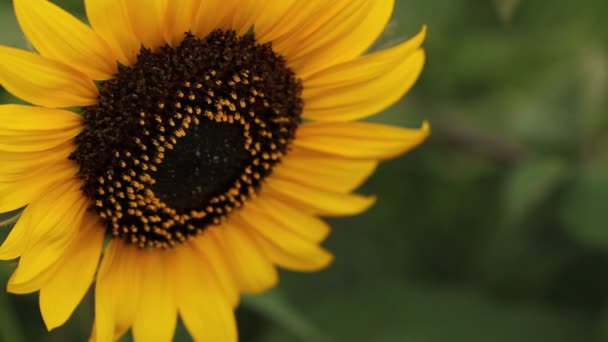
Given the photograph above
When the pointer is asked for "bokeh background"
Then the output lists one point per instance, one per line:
(494, 230)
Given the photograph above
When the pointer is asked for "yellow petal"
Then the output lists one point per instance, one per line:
(204, 310)
(237, 15)
(32, 285)
(147, 18)
(157, 313)
(14, 142)
(48, 275)
(117, 290)
(21, 119)
(20, 165)
(56, 34)
(31, 137)
(15, 195)
(318, 201)
(272, 230)
(316, 258)
(213, 14)
(359, 140)
(60, 296)
(14, 244)
(54, 224)
(308, 226)
(363, 98)
(37, 222)
(282, 246)
(253, 272)
(44, 82)
(342, 37)
(109, 18)
(274, 20)
(209, 249)
(366, 67)
(180, 17)
(284, 24)
(315, 34)
(364, 86)
(246, 13)
(119, 332)
(323, 172)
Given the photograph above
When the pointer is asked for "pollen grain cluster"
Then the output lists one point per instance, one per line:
(186, 135)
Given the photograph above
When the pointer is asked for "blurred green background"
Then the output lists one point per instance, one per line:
(494, 230)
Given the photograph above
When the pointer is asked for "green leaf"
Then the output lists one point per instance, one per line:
(530, 184)
(276, 308)
(593, 120)
(584, 211)
(391, 310)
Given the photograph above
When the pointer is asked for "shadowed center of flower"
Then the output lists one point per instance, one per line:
(186, 135)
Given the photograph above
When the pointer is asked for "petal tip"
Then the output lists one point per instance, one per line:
(50, 323)
(426, 128)
(367, 202)
(329, 259)
(12, 288)
(424, 31)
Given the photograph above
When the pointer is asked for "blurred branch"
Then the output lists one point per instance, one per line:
(506, 9)
(273, 305)
(483, 144)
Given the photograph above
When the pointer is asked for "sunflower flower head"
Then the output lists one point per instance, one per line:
(211, 136)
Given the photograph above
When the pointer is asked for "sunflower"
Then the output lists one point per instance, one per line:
(178, 152)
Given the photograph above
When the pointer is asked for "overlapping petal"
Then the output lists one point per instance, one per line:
(316, 34)
(17, 120)
(33, 143)
(344, 37)
(213, 14)
(147, 19)
(360, 140)
(210, 249)
(56, 34)
(156, 316)
(202, 306)
(324, 172)
(117, 290)
(64, 284)
(47, 226)
(252, 271)
(73, 275)
(275, 20)
(179, 19)
(315, 258)
(17, 194)
(243, 18)
(282, 245)
(109, 18)
(366, 85)
(44, 82)
(18, 166)
(291, 218)
(318, 201)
